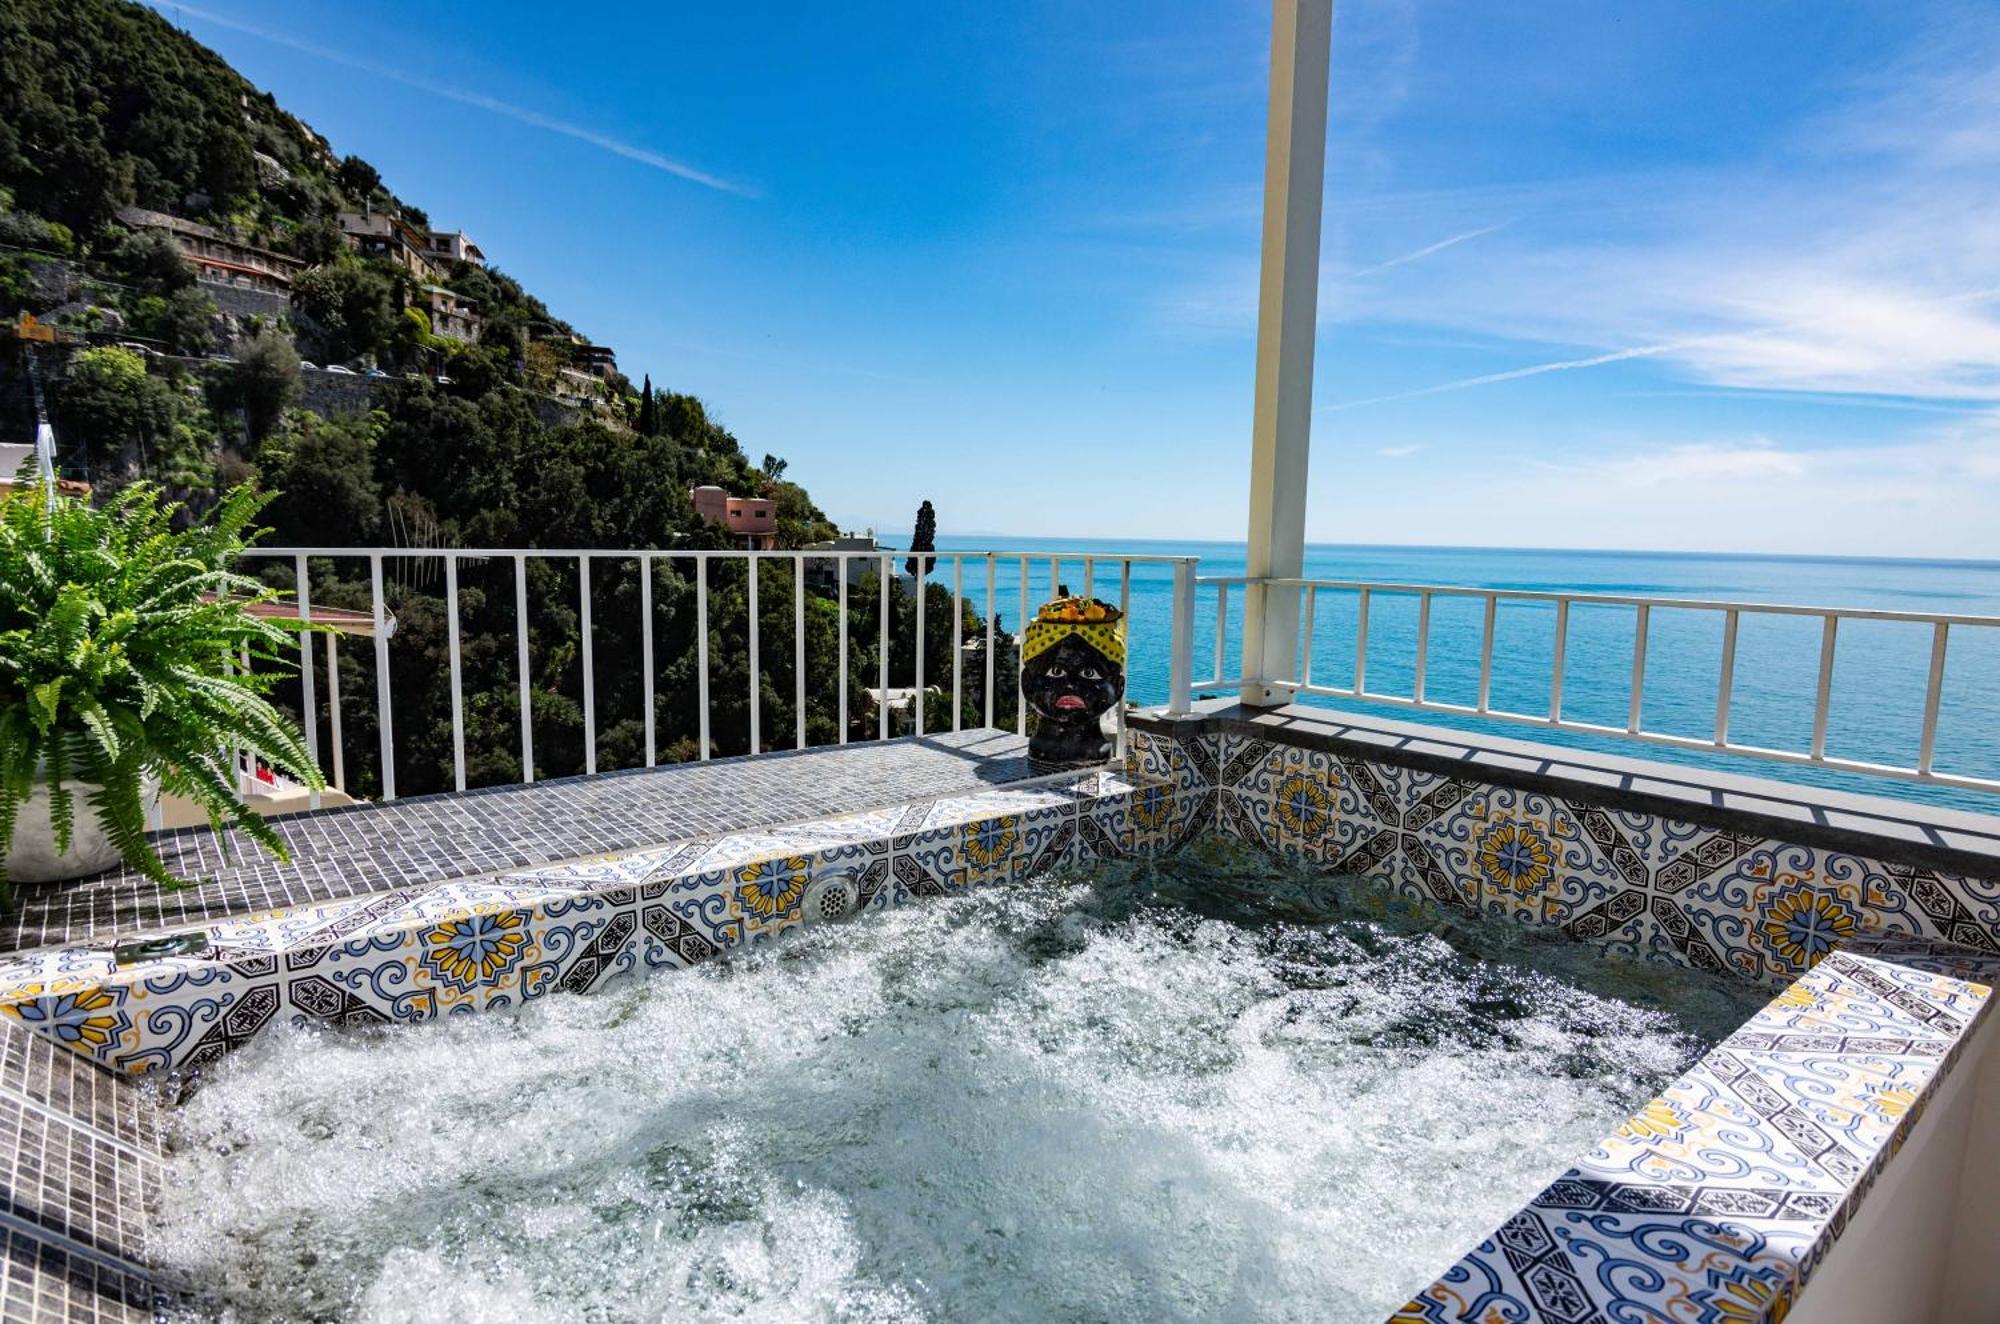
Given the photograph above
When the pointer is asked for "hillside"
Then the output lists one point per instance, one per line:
(210, 266)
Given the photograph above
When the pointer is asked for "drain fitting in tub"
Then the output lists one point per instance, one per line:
(830, 900)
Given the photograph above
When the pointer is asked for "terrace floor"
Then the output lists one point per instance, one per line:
(360, 849)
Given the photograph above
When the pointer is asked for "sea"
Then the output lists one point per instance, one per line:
(1880, 673)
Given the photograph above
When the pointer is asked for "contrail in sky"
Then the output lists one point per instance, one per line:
(617, 147)
(1429, 249)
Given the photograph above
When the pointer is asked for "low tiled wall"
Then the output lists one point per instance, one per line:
(1719, 1199)
(1731, 891)
(416, 953)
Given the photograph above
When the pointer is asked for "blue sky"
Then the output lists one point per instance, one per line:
(1701, 276)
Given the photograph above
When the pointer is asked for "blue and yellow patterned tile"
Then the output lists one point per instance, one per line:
(185, 1018)
(1716, 1129)
(1050, 839)
(1503, 850)
(926, 864)
(1551, 1264)
(583, 942)
(1154, 815)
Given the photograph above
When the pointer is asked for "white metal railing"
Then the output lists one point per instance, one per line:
(991, 579)
(1642, 610)
(997, 567)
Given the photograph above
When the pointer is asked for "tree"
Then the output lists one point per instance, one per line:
(264, 379)
(184, 321)
(774, 468)
(351, 306)
(924, 540)
(111, 407)
(324, 472)
(649, 414)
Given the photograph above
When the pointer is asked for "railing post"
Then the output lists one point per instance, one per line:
(701, 653)
(992, 612)
(917, 664)
(1823, 698)
(1180, 664)
(521, 669)
(756, 663)
(799, 650)
(841, 562)
(333, 712)
(882, 650)
(385, 720)
(957, 642)
(457, 670)
(1288, 302)
(589, 668)
(308, 701)
(646, 654)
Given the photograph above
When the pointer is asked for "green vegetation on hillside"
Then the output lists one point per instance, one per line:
(105, 105)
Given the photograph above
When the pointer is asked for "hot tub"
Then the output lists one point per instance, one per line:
(1204, 1087)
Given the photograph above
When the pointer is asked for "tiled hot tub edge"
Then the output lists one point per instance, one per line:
(499, 940)
(83, 1156)
(1719, 1199)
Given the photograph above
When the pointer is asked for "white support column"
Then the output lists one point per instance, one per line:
(1287, 316)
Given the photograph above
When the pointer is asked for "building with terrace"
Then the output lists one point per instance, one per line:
(217, 257)
(752, 519)
(387, 235)
(453, 315)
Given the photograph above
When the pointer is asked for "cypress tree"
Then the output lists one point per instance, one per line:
(923, 540)
(649, 413)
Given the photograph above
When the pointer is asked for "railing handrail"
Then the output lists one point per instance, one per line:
(684, 553)
(1623, 600)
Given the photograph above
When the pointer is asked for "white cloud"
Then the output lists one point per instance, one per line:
(1931, 497)
(1398, 452)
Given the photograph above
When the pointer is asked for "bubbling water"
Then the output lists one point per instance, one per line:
(1203, 1089)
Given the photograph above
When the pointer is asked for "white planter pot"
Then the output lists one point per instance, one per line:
(32, 856)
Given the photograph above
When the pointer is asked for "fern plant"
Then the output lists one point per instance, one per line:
(121, 642)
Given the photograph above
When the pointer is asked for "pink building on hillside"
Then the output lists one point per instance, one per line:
(754, 519)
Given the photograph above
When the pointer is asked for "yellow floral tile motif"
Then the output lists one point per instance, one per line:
(771, 887)
(989, 841)
(1800, 923)
(1798, 996)
(1152, 806)
(1515, 857)
(1891, 1102)
(1302, 806)
(475, 949)
(89, 1020)
(1741, 1295)
(1657, 1121)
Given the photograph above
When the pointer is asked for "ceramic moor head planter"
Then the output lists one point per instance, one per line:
(1072, 672)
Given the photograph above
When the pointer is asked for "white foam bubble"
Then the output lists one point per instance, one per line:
(1018, 1105)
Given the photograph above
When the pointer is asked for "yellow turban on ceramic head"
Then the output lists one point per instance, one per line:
(1098, 624)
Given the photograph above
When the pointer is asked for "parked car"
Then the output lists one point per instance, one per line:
(144, 351)
(443, 380)
(220, 358)
(343, 371)
(376, 372)
(309, 367)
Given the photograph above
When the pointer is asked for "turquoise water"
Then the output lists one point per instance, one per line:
(1880, 668)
